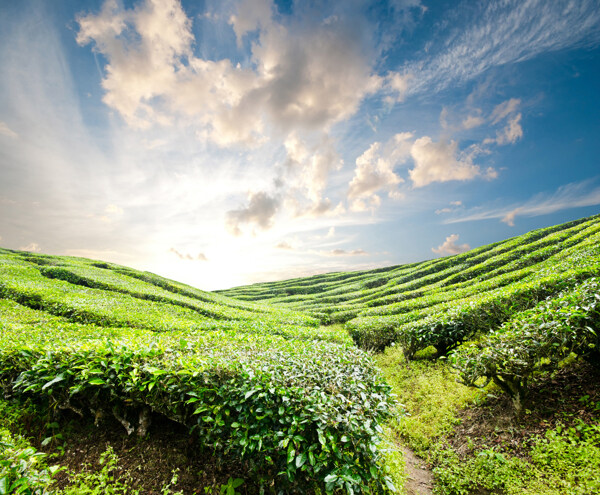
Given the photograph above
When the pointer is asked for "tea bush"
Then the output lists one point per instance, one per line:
(535, 340)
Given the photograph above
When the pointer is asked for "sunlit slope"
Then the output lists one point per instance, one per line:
(445, 301)
(297, 403)
(88, 291)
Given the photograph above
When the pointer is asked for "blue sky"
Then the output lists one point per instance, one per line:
(222, 143)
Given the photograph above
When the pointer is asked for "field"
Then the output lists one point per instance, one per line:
(317, 384)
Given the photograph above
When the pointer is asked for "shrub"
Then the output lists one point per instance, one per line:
(534, 340)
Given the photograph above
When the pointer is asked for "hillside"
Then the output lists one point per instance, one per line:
(517, 321)
(458, 295)
(283, 382)
(248, 381)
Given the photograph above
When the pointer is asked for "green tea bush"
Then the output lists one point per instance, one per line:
(447, 325)
(304, 413)
(534, 340)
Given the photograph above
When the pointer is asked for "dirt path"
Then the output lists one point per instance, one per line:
(419, 478)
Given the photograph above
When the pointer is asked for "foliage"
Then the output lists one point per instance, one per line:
(429, 396)
(258, 379)
(103, 481)
(23, 470)
(563, 462)
(535, 340)
(302, 412)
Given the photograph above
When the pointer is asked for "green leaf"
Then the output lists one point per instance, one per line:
(4, 485)
(300, 460)
(97, 381)
(251, 392)
(57, 378)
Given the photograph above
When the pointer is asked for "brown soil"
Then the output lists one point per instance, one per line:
(147, 464)
(569, 394)
(419, 478)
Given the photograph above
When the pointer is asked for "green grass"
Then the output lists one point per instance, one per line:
(429, 395)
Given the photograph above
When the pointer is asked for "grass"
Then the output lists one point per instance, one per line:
(429, 396)
(561, 458)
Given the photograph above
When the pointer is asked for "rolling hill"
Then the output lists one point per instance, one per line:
(282, 376)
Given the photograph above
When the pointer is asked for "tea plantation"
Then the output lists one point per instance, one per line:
(294, 379)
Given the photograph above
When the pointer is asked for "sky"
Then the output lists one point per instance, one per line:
(223, 143)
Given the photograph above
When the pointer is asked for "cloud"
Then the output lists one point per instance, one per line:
(396, 86)
(144, 46)
(250, 16)
(472, 121)
(308, 166)
(303, 75)
(375, 171)
(7, 131)
(187, 256)
(114, 210)
(441, 162)
(322, 208)
(501, 33)
(504, 109)
(284, 245)
(260, 212)
(512, 132)
(573, 195)
(509, 218)
(32, 247)
(450, 247)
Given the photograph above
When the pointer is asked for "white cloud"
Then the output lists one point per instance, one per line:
(504, 109)
(573, 195)
(7, 131)
(453, 206)
(144, 47)
(251, 15)
(512, 132)
(441, 162)
(396, 85)
(509, 218)
(502, 33)
(343, 252)
(450, 247)
(303, 75)
(307, 167)
(114, 210)
(284, 245)
(375, 171)
(472, 121)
